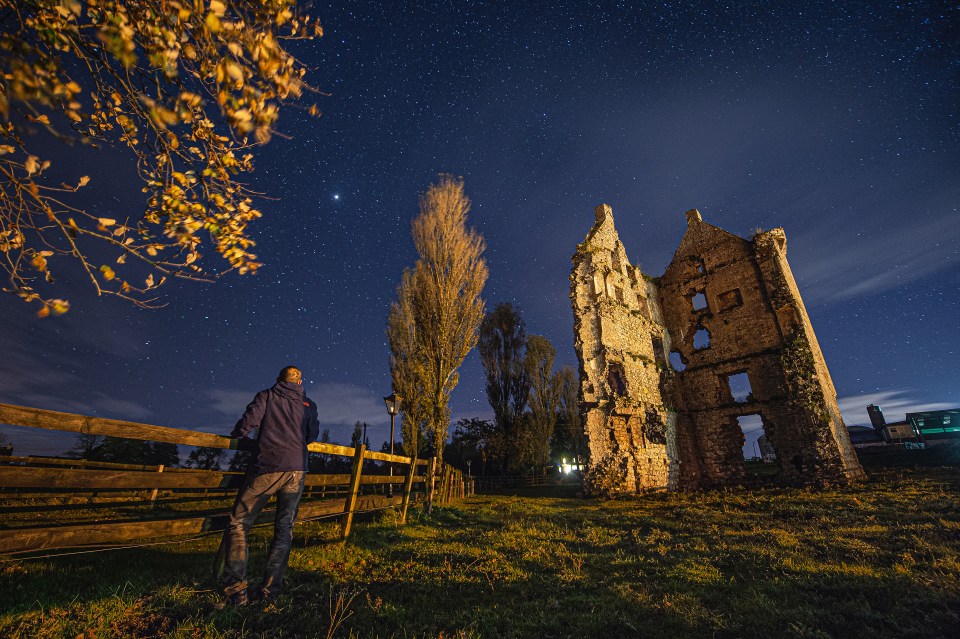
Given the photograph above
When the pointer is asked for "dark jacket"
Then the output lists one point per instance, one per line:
(287, 422)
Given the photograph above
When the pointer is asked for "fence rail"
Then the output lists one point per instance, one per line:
(32, 486)
(496, 482)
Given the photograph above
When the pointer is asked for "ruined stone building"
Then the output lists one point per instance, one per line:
(669, 365)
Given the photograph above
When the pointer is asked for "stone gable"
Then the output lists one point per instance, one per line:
(727, 312)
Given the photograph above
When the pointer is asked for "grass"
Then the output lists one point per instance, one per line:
(880, 559)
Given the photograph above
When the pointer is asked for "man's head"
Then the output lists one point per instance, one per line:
(290, 374)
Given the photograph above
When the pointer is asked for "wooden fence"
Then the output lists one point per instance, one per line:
(50, 502)
(497, 482)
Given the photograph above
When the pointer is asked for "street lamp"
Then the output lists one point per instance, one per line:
(393, 407)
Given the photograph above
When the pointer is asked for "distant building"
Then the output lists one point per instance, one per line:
(767, 454)
(876, 416)
(899, 432)
(936, 424)
(861, 436)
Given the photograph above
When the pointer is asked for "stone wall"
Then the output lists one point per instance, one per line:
(726, 306)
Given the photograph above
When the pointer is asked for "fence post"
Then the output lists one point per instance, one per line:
(350, 503)
(447, 472)
(431, 484)
(441, 490)
(407, 489)
(153, 495)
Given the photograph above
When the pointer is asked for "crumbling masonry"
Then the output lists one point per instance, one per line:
(725, 307)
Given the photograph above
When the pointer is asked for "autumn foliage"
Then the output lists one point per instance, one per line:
(188, 87)
(435, 321)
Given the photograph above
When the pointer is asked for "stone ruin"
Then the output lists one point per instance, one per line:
(661, 361)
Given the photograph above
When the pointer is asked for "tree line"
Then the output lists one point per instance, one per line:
(536, 418)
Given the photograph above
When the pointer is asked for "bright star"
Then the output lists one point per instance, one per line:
(336, 196)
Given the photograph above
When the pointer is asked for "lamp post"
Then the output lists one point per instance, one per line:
(393, 407)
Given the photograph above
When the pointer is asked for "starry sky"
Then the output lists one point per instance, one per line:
(835, 120)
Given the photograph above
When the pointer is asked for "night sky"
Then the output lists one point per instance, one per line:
(837, 121)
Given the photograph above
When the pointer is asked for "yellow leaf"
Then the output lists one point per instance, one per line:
(6, 148)
(106, 221)
(213, 23)
(39, 262)
(84, 181)
(31, 164)
(122, 259)
(60, 306)
(108, 273)
(44, 311)
(150, 281)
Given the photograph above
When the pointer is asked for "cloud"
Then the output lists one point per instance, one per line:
(831, 269)
(337, 404)
(895, 403)
(230, 402)
(346, 404)
(120, 408)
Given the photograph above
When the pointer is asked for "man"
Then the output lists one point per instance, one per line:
(285, 421)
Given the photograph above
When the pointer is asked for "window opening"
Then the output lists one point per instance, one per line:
(615, 379)
(759, 456)
(739, 384)
(658, 354)
(615, 260)
(730, 299)
(618, 293)
(676, 361)
(699, 301)
(701, 339)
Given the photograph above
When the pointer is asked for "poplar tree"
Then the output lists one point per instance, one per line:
(543, 400)
(502, 343)
(434, 322)
(568, 438)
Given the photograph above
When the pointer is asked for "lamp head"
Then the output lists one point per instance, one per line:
(393, 403)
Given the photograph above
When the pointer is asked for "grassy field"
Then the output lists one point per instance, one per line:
(881, 559)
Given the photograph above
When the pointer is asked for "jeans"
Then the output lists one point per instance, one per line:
(253, 496)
